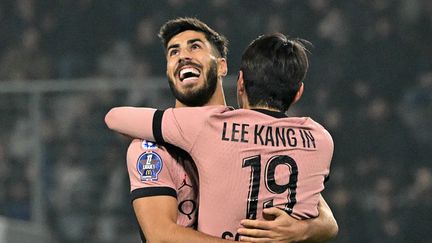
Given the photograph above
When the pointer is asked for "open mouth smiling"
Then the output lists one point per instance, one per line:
(188, 72)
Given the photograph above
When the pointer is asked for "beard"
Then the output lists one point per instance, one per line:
(200, 96)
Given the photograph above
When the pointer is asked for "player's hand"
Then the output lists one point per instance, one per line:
(283, 228)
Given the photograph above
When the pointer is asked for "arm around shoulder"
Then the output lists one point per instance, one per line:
(131, 121)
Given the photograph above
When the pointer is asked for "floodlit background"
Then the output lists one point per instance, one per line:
(63, 64)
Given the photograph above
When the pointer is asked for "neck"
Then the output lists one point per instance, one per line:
(263, 108)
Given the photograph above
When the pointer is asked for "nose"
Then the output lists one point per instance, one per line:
(184, 60)
(185, 55)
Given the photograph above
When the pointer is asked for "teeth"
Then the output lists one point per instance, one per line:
(189, 70)
(190, 78)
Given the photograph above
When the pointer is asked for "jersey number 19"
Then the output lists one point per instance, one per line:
(269, 178)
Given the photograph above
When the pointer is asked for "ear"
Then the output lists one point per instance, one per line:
(240, 83)
(242, 100)
(222, 67)
(299, 93)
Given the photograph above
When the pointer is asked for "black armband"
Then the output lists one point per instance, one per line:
(157, 126)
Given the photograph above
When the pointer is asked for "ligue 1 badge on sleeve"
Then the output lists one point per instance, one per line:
(149, 165)
(148, 145)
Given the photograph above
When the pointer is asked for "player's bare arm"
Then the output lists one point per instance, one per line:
(284, 228)
(157, 218)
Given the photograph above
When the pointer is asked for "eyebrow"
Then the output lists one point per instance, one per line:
(188, 42)
(194, 40)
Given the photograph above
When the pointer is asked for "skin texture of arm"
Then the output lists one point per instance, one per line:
(284, 228)
(157, 218)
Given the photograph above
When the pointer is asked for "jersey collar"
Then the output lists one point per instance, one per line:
(275, 114)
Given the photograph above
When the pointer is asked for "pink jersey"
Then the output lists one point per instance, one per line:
(155, 170)
(247, 160)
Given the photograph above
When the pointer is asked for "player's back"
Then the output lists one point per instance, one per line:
(246, 159)
(251, 159)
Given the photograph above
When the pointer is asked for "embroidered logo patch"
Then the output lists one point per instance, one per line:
(149, 165)
(148, 145)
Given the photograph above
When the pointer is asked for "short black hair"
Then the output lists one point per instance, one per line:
(274, 67)
(176, 26)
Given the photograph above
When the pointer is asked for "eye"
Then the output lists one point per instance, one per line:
(173, 52)
(195, 46)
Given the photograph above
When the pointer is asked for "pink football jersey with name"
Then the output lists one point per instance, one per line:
(247, 160)
(155, 171)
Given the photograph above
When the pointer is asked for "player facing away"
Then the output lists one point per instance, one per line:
(251, 158)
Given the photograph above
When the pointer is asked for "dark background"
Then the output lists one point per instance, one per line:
(370, 84)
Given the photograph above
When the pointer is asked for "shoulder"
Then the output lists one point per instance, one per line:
(139, 147)
(320, 128)
(315, 124)
(194, 117)
(202, 110)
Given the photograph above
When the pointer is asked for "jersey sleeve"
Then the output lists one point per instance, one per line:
(182, 126)
(330, 152)
(133, 121)
(149, 170)
(177, 126)
(328, 149)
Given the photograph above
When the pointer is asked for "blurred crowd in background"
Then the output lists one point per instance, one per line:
(370, 84)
